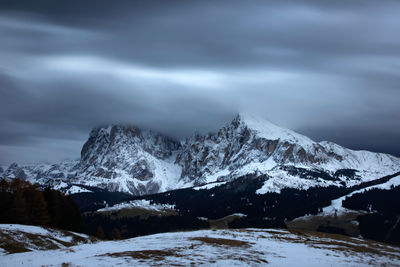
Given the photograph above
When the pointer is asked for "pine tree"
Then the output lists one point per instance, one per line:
(37, 211)
(22, 202)
(4, 186)
(100, 232)
(5, 201)
(115, 234)
(17, 209)
(71, 217)
(53, 199)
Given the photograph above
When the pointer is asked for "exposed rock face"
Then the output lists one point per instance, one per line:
(15, 171)
(103, 141)
(129, 153)
(122, 158)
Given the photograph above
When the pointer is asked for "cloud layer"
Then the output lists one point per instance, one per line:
(329, 70)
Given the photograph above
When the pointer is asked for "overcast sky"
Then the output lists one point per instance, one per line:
(327, 69)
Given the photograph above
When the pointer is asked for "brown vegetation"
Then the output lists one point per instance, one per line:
(222, 242)
(156, 255)
(18, 241)
(24, 203)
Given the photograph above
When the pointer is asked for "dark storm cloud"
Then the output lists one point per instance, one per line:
(326, 68)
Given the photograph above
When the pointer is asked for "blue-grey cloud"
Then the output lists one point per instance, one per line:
(327, 69)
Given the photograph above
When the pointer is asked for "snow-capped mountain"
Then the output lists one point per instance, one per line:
(253, 145)
(128, 159)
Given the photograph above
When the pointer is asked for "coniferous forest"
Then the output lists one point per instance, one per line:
(382, 223)
(24, 203)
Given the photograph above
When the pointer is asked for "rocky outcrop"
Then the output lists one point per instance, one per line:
(103, 141)
(15, 171)
(130, 154)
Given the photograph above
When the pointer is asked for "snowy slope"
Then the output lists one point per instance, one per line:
(245, 247)
(336, 205)
(266, 129)
(141, 204)
(129, 159)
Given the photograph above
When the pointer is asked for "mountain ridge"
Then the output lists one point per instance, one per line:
(137, 161)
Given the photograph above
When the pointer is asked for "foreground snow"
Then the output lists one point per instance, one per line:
(244, 247)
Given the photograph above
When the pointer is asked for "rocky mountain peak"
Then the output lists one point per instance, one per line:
(103, 140)
(129, 154)
(244, 140)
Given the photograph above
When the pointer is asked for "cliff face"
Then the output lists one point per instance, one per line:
(141, 159)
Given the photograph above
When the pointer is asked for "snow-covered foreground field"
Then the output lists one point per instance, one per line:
(243, 247)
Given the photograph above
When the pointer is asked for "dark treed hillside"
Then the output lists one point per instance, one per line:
(24, 203)
(383, 221)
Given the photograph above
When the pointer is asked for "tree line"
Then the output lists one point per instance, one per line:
(24, 203)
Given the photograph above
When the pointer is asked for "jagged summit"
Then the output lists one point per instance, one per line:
(106, 138)
(130, 159)
(127, 158)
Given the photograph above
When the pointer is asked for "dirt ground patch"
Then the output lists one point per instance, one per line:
(157, 255)
(222, 242)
